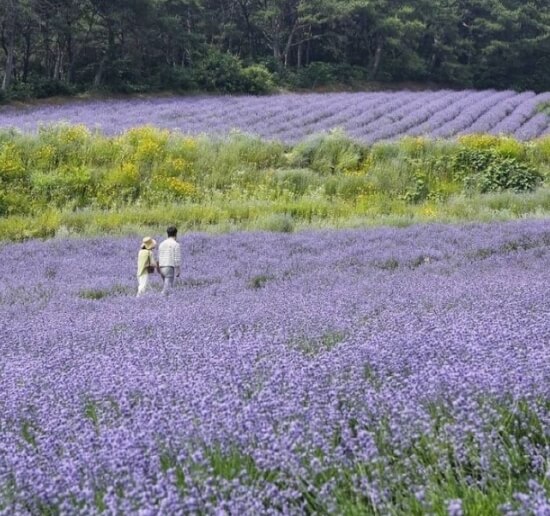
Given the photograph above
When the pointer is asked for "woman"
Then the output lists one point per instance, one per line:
(146, 264)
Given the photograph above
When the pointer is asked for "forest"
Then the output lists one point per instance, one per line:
(60, 47)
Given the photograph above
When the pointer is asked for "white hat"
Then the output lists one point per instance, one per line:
(148, 243)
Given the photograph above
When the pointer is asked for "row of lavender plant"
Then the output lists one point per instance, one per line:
(383, 371)
(368, 117)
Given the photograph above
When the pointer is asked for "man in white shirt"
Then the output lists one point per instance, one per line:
(169, 259)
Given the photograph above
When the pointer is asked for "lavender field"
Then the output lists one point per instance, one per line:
(373, 372)
(367, 117)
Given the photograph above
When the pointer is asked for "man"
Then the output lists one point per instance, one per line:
(169, 259)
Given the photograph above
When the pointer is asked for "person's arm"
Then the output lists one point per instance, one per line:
(154, 263)
(177, 260)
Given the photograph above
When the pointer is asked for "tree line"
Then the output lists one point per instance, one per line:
(61, 46)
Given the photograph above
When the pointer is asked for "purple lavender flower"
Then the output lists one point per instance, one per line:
(367, 117)
(454, 508)
(353, 353)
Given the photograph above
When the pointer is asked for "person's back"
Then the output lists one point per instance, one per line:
(169, 253)
(169, 259)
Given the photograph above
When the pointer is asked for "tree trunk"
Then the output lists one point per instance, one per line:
(246, 16)
(107, 56)
(70, 57)
(288, 45)
(74, 50)
(27, 55)
(187, 56)
(376, 60)
(46, 51)
(98, 78)
(58, 67)
(10, 56)
(276, 49)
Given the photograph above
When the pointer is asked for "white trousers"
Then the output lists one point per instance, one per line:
(168, 276)
(143, 284)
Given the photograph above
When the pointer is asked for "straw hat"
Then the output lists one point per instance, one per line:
(148, 243)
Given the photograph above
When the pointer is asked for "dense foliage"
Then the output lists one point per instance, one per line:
(61, 46)
(392, 371)
(68, 177)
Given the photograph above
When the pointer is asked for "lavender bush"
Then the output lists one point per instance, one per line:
(376, 371)
(367, 116)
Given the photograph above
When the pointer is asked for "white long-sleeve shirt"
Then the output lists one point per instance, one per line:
(169, 253)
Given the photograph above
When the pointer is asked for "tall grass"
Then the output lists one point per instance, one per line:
(66, 179)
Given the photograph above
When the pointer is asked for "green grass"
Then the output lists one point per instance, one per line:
(68, 181)
(313, 346)
(544, 108)
(282, 216)
(98, 294)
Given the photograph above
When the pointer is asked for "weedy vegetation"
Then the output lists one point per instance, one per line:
(69, 180)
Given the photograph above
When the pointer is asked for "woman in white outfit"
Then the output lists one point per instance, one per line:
(146, 264)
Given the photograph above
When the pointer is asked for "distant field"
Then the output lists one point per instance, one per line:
(367, 117)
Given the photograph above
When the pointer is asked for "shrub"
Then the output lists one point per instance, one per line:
(44, 157)
(330, 187)
(478, 141)
(503, 145)
(220, 71)
(43, 88)
(509, 174)
(542, 148)
(467, 161)
(419, 191)
(104, 151)
(147, 144)
(68, 186)
(350, 188)
(429, 178)
(228, 162)
(13, 202)
(184, 148)
(511, 148)
(120, 184)
(327, 154)
(176, 78)
(257, 79)
(296, 181)
(393, 177)
(20, 91)
(279, 222)
(175, 167)
(252, 150)
(315, 74)
(19, 228)
(485, 170)
(170, 188)
(384, 151)
(63, 143)
(12, 167)
(414, 147)
(319, 73)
